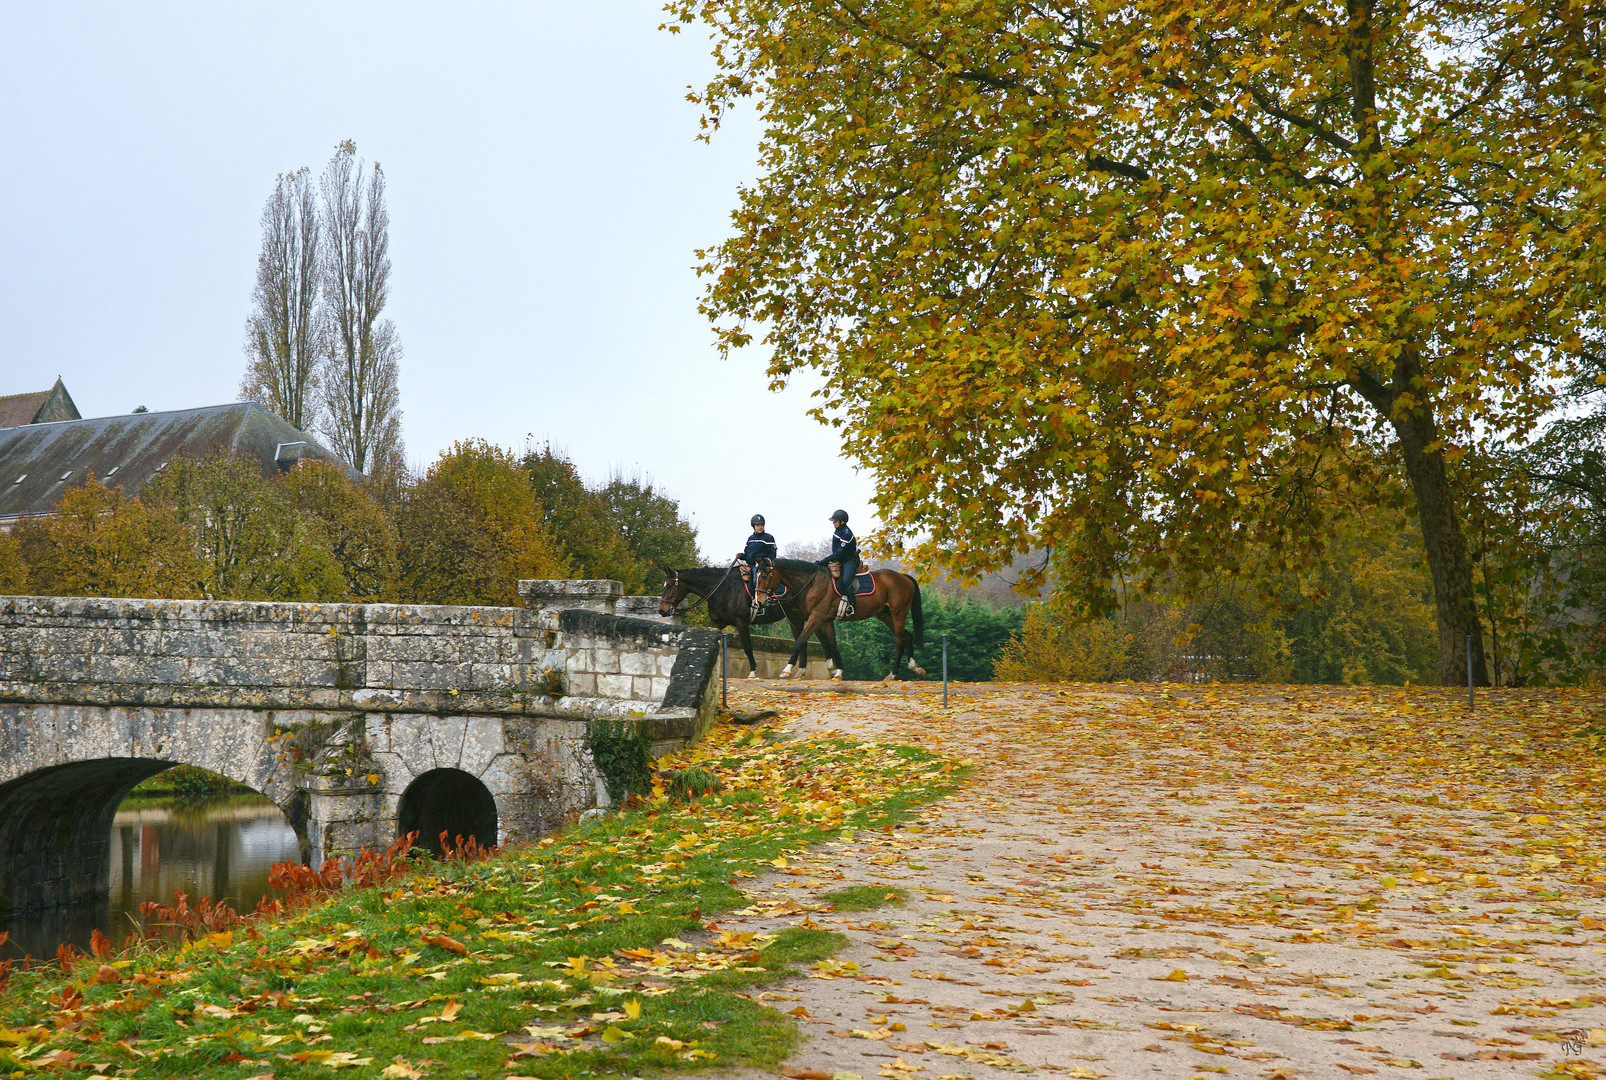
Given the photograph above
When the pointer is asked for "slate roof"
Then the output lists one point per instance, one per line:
(38, 462)
(40, 408)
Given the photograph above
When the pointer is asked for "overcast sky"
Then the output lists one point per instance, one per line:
(546, 194)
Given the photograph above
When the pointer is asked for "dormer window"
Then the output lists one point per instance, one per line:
(20, 479)
(113, 470)
(65, 474)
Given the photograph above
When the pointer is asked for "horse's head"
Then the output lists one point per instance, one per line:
(765, 579)
(674, 592)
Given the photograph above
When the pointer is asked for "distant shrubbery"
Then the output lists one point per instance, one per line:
(1365, 617)
(478, 520)
(976, 634)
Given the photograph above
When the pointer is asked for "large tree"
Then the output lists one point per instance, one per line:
(1153, 284)
(282, 342)
(361, 387)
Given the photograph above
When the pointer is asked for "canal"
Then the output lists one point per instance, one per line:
(222, 847)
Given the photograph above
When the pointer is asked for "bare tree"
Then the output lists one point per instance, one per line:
(360, 372)
(281, 334)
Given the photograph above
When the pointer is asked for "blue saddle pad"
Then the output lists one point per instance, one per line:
(863, 585)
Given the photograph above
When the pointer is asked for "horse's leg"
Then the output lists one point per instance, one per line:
(894, 624)
(747, 647)
(797, 628)
(828, 634)
(798, 646)
(906, 638)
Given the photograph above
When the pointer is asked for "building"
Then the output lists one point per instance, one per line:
(54, 449)
(45, 407)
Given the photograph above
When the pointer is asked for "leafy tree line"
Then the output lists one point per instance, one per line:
(479, 519)
(1365, 615)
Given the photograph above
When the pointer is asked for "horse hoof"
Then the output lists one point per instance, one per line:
(887, 677)
(920, 671)
(752, 674)
(836, 675)
(786, 672)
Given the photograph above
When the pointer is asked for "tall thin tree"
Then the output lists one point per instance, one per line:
(360, 371)
(281, 334)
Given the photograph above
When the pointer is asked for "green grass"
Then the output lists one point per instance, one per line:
(571, 946)
(865, 897)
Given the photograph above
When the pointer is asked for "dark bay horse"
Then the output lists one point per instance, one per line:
(730, 604)
(896, 599)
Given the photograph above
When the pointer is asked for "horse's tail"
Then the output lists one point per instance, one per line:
(920, 618)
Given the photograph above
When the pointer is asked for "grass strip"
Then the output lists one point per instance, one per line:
(563, 958)
(865, 897)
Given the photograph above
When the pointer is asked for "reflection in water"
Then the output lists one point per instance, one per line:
(222, 849)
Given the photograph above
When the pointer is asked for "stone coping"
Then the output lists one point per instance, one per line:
(593, 594)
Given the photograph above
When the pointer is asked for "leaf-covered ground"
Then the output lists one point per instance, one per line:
(1198, 881)
(596, 952)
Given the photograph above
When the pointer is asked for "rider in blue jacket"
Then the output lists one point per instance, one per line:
(845, 553)
(761, 545)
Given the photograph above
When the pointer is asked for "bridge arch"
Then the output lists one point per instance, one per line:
(449, 800)
(65, 769)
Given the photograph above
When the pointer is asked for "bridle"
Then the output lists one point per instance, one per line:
(776, 571)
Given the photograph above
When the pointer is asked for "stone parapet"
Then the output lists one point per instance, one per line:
(772, 654)
(585, 594)
(644, 607)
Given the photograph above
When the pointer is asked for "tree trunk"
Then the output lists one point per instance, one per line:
(1448, 565)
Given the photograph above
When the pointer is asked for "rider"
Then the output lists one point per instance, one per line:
(845, 553)
(761, 545)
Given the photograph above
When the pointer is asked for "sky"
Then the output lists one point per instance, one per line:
(546, 190)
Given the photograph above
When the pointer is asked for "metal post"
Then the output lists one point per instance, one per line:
(724, 680)
(1471, 701)
(945, 671)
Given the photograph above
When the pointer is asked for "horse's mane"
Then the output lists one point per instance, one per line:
(797, 566)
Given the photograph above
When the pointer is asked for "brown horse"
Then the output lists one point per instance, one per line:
(895, 600)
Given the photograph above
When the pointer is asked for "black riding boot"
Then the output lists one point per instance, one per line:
(850, 570)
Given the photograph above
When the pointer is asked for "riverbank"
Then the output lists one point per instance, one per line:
(599, 951)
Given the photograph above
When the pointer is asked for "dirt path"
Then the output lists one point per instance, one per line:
(1192, 882)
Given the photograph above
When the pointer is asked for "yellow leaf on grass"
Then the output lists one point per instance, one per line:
(612, 1034)
(633, 1009)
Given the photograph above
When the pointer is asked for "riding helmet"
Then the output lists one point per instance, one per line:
(758, 519)
(840, 515)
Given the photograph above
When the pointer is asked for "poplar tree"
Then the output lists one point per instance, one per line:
(361, 370)
(282, 342)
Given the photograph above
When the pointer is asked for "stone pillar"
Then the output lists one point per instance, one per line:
(345, 814)
(584, 594)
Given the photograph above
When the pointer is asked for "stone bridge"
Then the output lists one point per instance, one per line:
(361, 721)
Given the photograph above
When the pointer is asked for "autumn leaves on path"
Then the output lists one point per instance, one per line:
(1255, 882)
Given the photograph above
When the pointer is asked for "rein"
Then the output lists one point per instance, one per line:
(803, 591)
